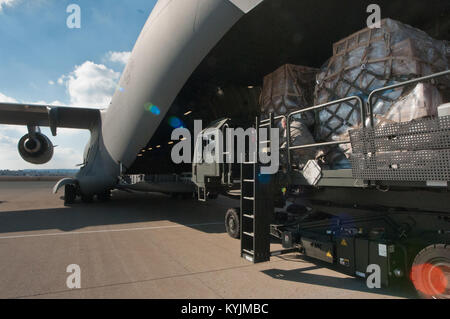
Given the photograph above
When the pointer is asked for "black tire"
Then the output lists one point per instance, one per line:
(232, 222)
(430, 272)
(70, 194)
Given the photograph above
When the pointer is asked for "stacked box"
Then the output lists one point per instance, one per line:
(371, 59)
(289, 88)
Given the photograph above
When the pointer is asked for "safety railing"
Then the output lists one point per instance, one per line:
(314, 108)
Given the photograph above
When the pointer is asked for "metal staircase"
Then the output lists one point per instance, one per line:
(257, 205)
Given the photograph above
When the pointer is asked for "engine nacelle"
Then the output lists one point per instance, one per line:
(37, 150)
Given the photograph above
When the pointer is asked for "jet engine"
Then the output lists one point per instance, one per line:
(36, 148)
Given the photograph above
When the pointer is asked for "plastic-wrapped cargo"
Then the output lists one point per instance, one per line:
(368, 60)
(421, 102)
(289, 88)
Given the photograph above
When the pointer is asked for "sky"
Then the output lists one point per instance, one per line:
(42, 61)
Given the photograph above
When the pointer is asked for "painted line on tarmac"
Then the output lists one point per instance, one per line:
(108, 231)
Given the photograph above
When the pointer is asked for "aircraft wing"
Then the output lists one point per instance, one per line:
(51, 116)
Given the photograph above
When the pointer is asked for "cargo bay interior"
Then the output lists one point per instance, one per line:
(228, 82)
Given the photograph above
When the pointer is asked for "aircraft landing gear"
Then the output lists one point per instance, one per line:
(70, 194)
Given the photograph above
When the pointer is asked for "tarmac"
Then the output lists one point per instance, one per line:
(147, 245)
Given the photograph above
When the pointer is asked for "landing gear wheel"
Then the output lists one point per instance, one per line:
(87, 199)
(232, 222)
(430, 272)
(70, 194)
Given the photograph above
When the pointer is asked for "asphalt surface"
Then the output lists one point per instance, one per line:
(146, 246)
